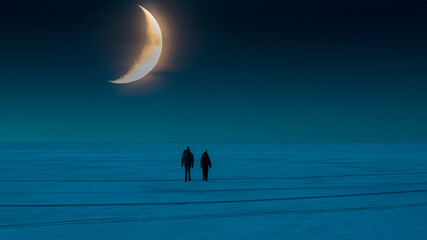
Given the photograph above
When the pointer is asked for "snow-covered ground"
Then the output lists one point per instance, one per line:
(256, 191)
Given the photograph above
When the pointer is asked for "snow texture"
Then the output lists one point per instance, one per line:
(255, 191)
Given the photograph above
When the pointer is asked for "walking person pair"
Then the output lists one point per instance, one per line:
(187, 160)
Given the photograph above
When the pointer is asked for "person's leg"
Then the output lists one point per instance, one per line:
(203, 170)
(186, 173)
(207, 170)
(189, 174)
(205, 176)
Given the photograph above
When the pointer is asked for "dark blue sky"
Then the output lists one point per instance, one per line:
(232, 71)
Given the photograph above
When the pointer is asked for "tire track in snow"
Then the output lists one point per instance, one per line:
(203, 202)
(223, 215)
(214, 179)
(218, 190)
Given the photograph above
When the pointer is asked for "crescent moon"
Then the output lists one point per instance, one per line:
(150, 54)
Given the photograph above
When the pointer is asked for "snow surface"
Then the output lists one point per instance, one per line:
(255, 191)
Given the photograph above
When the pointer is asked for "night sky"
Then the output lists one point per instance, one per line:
(230, 71)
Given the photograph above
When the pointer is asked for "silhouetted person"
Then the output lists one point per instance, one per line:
(205, 163)
(187, 161)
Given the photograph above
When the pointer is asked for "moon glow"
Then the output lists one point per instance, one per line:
(150, 54)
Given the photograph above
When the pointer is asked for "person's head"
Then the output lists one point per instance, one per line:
(188, 148)
(206, 151)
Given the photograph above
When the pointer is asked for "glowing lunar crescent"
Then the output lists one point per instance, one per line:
(150, 53)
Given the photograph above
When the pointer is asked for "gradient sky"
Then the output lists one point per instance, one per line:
(231, 71)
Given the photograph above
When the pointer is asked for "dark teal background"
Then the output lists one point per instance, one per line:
(241, 71)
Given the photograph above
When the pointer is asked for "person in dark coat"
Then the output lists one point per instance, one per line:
(205, 163)
(187, 160)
